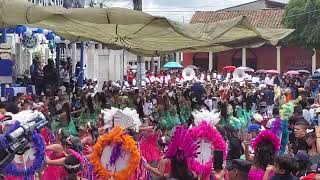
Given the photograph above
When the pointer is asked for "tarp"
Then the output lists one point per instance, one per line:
(135, 31)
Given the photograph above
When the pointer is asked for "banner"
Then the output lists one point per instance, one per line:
(30, 42)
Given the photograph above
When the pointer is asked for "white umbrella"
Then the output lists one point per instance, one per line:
(303, 71)
(245, 69)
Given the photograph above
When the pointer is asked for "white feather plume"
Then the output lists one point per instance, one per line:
(132, 113)
(211, 118)
(108, 117)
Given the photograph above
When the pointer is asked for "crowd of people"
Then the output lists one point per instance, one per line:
(268, 124)
(51, 76)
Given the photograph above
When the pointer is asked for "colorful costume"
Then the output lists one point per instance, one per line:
(236, 123)
(149, 146)
(71, 128)
(169, 120)
(185, 113)
(256, 173)
(54, 172)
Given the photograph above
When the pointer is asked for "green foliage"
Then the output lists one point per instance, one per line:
(304, 17)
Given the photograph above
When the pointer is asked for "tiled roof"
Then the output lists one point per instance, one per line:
(262, 18)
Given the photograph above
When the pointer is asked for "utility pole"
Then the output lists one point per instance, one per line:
(137, 5)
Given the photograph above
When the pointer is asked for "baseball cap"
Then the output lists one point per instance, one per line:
(253, 127)
(302, 156)
(239, 164)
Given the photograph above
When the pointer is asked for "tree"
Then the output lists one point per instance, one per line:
(304, 17)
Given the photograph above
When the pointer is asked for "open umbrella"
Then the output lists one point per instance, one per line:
(172, 65)
(272, 72)
(245, 69)
(316, 75)
(317, 71)
(292, 72)
(229, 68)
(303, 71)
(260, 71)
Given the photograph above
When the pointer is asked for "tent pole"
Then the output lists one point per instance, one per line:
(81, 64)
(137, 5)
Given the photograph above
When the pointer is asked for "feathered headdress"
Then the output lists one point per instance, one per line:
(266, 136)
(205, 115)
(182, 145)
(286, 110)
(127, 118)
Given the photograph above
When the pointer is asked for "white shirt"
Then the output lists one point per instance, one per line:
(307, 116)
(147, 108)
(209, 103)
(64, 74)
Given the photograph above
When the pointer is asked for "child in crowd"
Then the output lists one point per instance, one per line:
(283, 167)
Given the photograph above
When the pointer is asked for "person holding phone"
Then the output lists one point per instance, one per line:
(252, 131)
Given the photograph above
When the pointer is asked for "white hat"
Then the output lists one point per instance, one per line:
(63, 89)
(95, 79)
(258, 117)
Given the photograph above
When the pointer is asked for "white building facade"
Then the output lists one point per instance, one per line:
(99, 62)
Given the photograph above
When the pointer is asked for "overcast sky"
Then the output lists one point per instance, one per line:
(180, 10)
